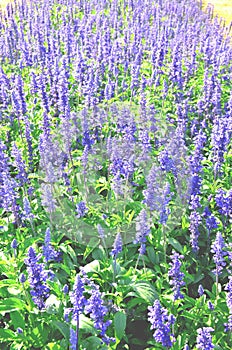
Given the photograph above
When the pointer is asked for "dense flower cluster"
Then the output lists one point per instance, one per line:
(81, 209)
(77, 298)
(142, 229)
(97, 313)
(161, 322)
(224, 201)
(37, 276)
(217, 249)
(176, 275)
(204, 338)
(116, 124)
(49, 252)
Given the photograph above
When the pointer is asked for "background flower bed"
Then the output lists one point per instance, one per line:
(115, 176)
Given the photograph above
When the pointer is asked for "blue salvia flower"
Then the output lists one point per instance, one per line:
(165, 199)
(4, 170)
(67, 312)
(77, 298)
(176, 275)
(97, 313)
(9, 195)
(195, 163)
(20, 165)
(19, 330)
(21, 95)
(73, 339)
(161, 322)
(33, 83)
(43, 93)
(49, 252)
(145, 145)
(117, 246)
(228, 326)
(14, 244)
(195, 220)
(186, 347)
(200, 290)
(149, 193)
(65, 289)
(101, 232)
(28, 137)
(166, 162)
(220, 139)
(210, 219)
(27, 214)
(210, 305)
(37, 276)
(218, 249)
(224, 202)
(87, 138)
(204, 338)
(22, 278)
(117, 185)
(47, 198)
(157, 195)
(142, 229)
(142, 249)
(81, 209)
(194, 202)
(62, 88)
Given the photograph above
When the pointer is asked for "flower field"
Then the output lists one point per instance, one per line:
(115, 176)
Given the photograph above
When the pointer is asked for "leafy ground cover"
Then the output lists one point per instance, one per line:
(115, 176)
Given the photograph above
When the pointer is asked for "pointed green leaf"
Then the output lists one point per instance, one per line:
(119, 324)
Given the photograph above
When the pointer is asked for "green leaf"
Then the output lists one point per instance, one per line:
(175, 244)
(119, 324)
(145, 291)
(93, 343)
(11, 304)
(151, 254)
(62, 327)
(17, 319)
(133, 302)
(6, 335)
(188, 315)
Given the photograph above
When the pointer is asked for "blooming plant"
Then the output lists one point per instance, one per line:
(115, 176)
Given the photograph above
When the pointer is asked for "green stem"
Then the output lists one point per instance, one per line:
(165, 243)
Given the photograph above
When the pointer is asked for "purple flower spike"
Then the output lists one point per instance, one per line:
(37, 279)
(49, 252)
(161, 322)
(77, 298)
(73, 339)
(142, 230)
(176, 275)
(219, 253)
(81, 209)
(204, 338)
(14, 244)
(228, 326)
(117, 247)
(98, 312)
